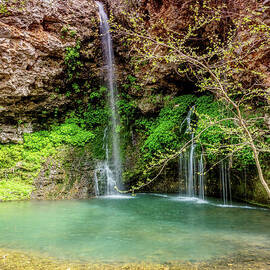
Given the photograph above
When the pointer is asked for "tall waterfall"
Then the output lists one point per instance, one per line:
(112, 167)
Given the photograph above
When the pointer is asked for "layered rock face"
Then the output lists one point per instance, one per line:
(176, 15)
(33, 38)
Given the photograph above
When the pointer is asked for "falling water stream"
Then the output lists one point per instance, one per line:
(111, 168)
(189, 171)
(191, 178)
(201, 177)
(225, 183)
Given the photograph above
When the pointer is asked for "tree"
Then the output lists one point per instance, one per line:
(219, 63)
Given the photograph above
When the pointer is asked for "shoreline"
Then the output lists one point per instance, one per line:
(18, 260)
(237, 200)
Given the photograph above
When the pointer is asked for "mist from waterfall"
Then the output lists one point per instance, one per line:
(111, 168)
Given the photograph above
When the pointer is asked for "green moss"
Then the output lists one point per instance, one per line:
(14, 190)
(222, 138)
(21, 164)
(165, 132)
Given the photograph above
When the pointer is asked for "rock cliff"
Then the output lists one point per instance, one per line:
(176, 14)
(34, 35)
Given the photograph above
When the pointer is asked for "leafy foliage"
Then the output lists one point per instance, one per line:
(14, 190)
(165, 132)
(3, 7)
(67, 31)
(20, 164)
(219, 63)
(72, 60)
(7, 5)
(127, 109)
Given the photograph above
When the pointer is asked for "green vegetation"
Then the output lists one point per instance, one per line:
(3, 7)
(67, 31)
(163, 136)
(165, 132)
(72, 60)
(168, 131)
(20, 164)
(219, 63)
(224, 123)
(7, 5)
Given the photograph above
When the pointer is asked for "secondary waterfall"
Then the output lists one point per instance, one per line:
(191, 171)
(111, 169)
(225, 183)
(201, 177)
(190, 168)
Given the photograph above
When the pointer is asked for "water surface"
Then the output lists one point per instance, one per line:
(152, 228)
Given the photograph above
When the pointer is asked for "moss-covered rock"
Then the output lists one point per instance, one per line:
(56, 163)
(66, 175)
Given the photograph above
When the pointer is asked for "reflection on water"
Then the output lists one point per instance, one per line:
(153, 228)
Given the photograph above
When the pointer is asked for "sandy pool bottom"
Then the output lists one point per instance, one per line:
(17, 260)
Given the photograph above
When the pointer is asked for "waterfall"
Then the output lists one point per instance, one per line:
(103, 175)
(225, 183)
(201, 177)
(111, 169)
(96, 182)
(191, 178)
(104, 179)
(191, 171)
(190, 168)
(183, 172)
(188, 119)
